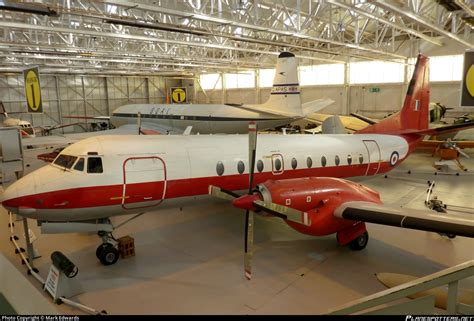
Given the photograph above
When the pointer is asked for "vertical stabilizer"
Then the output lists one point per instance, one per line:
(285, 94)
(414, 114)
(3, 112)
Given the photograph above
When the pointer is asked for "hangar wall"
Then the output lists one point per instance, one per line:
(65, 95)
(358, 99)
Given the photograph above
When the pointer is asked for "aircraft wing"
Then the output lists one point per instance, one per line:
(425, 220)
(350, 123)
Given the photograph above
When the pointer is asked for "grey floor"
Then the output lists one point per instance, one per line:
(190, 260)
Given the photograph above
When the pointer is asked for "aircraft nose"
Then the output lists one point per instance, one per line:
(9, 195)
(19, 196)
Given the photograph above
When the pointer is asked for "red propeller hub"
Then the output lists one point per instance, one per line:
(245, 202)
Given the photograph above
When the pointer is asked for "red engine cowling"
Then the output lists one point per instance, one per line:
(319, 197)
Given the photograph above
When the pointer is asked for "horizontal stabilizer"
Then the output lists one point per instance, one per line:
(308, 108)
(461, 225)
(368, 120)
(315, 106)
(444, 129)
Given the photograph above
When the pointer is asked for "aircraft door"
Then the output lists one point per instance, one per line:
(278, 165)
(373, 151)
(144, 182)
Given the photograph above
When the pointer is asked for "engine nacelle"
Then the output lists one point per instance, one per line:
(319, 197)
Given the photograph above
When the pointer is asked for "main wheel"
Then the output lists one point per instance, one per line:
(100, 248)
(451, 236)
(109, 255)
(360, 242)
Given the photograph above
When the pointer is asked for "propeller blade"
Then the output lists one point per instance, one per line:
(286, 213)
(248, 244)
(249, 214)
(252, 152)
(222, 193)
(462, 153)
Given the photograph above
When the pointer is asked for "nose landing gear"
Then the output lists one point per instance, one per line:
(107, 252)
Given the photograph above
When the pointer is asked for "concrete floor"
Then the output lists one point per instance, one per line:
(190, 261)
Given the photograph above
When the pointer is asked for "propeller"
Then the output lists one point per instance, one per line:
(249, 213)
(461, 152)
(253, 201)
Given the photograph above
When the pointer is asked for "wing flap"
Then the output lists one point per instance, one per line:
(462, 225)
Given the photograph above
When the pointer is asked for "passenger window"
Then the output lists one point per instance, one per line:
(337, 160)
(294, 163)
(323, 161)
(220, 168)
(79, 165)
(361, 158)
(277, 164)
(240, 167)
(349, 159)
(309, 162)
(94, 165)
(260, 165)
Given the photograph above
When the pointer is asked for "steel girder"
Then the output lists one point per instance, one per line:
(174, 37)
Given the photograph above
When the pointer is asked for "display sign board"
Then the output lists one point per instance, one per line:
(34, 100)
(178, 95)
(51, 284)
(467, 84)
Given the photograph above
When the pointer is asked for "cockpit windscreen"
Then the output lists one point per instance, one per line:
(65, 161)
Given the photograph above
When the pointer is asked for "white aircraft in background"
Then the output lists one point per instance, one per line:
(26, 129)
(104, 176)
(284, 106)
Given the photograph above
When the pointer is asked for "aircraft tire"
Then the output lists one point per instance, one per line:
(109, 255)
(359, 243)
(100, 248)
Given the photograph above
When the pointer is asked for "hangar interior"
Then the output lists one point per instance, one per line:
(94, 57)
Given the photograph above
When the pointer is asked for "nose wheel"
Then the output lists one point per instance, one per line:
(107, 252)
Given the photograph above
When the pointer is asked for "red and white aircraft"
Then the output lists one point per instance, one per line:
(104, 176)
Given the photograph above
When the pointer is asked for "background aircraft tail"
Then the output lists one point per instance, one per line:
(285, 98)
(414, 116)
(3, 112)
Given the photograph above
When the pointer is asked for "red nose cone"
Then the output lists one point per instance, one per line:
(246, 201)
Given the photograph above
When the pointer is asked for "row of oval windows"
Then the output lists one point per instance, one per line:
(294, 164)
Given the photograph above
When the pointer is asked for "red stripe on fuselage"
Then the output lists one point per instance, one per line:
(97, 196)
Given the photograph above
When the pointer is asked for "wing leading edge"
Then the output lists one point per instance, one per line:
(430, 221)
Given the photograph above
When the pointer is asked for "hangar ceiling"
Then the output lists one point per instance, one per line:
(187, 37)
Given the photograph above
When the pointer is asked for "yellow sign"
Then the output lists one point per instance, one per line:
(178, 95)
(467, 90)
(470, 80)
(33, 90)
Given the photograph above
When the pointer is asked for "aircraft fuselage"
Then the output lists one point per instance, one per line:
(138, 173)
(204, 118)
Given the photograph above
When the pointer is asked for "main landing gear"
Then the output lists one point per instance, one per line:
(107, 252)
(355, 236)
(360, 242)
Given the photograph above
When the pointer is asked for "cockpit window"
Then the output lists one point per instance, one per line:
(65, 161)
(94, 165)
(79, 165)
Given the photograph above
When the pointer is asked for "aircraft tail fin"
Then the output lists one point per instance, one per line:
(3, 112)
(285, 93)
(414, 115)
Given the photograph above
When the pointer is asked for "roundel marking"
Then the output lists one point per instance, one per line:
(394, 158)
(470, 80)
(178, 95)
(32, 89)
